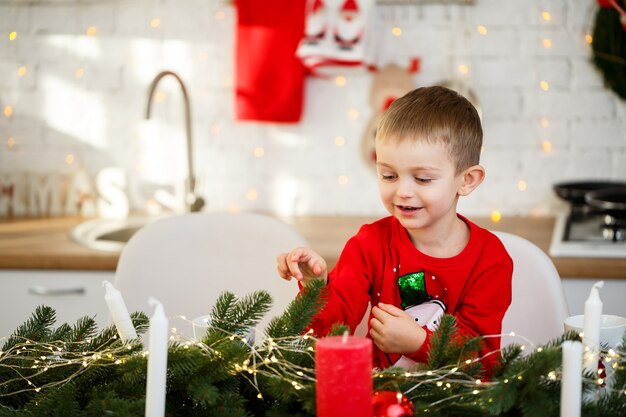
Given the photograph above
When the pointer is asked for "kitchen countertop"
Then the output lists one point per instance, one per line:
(44, 243)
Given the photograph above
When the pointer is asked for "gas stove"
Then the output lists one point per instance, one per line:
(583, 232)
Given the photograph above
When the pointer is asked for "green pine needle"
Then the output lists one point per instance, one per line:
(299, 312)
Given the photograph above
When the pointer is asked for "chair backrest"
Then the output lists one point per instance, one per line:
(186, 261)
(538, 306)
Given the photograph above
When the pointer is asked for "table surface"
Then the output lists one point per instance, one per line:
(44, 243)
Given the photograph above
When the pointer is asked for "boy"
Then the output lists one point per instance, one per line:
(424, 259)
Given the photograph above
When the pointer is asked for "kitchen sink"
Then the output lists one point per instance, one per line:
(108, 234)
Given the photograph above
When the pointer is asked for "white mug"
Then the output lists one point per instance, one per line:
(612, 328)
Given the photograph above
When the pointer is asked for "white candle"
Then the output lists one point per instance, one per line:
(157, 361)
(591, 327)
(571, 379)
(119, 312)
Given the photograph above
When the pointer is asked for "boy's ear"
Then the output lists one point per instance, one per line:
(472, 177)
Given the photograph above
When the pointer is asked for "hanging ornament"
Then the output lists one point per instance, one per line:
(601, 373)
(392, 404)
(334, 35)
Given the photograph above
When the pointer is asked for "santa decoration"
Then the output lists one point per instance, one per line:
(316, 24)
(349, 31)
(335, 34)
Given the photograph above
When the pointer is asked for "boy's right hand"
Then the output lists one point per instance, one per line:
(302, 264)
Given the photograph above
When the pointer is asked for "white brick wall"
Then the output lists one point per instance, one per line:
(96, 117)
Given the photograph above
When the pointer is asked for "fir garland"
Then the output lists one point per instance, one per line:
(609, 47)
(74, 370)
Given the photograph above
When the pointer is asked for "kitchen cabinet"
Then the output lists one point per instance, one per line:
(73, 294)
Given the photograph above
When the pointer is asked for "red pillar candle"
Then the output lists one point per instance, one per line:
(344, 376)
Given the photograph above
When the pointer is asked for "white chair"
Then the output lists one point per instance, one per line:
(538, 306)
(186, 261)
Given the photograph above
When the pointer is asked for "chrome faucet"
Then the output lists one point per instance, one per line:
(193, 202)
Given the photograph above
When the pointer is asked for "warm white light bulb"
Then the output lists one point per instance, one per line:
(547, 43)
(546, 146)
(252, 194)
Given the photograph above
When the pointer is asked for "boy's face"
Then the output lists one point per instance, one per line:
(417, 183)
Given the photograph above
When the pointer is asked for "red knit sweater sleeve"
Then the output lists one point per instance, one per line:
(348, 285)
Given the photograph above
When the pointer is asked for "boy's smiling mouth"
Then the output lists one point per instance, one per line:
(407, 209)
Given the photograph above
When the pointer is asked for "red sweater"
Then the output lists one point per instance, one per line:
(474, 286)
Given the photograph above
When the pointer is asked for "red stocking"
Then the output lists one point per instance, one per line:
(269, 76)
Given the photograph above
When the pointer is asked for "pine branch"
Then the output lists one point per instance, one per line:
(36, 328)
(231, 316)
(448, 347)
(61, 333)
(58, 403)
(524, 386)
(202, 392)
(619, 372)
(338, 329)
(84, 329)
(108, 403)
(299, 313)
(246, 313)
(109, 337)
(223, 303)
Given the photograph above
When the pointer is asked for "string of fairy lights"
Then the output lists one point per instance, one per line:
(154, 22)
(267, 359)
(46, 356)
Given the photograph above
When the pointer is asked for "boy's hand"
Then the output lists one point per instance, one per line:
(302, 264)
(394, 331)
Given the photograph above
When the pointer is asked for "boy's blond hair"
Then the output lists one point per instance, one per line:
(435, 114)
